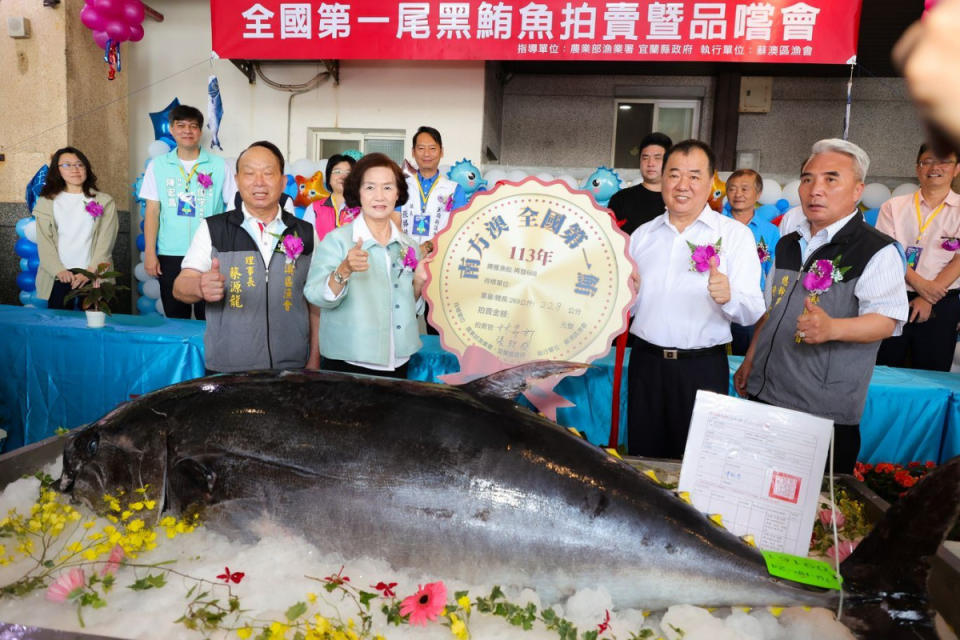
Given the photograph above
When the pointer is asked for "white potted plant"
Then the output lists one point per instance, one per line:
(97, 294)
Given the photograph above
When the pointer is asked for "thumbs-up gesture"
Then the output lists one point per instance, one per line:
(212, 282)
(718, 285)
(356, 259)
(813, 325)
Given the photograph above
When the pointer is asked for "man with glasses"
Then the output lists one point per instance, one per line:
(927, 226)
(181, 188)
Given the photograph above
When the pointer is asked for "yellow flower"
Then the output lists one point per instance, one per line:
(136, 506)
(464, 603)
(90, 554)
(245, 632)
(167, 521)
(311, 597)
(76, 547)
(150, 504)
(322, 624)
(135, 525)
(278, 630)
(126, 515)
(457, 628)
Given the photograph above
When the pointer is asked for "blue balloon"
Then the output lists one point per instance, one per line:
(161, 123)
(25, 298)
(140, 288)
(299, 211)
(782, 205)
(35, 186)
(33, 264)
(726, 206)
(146, 305)
(26, 281)
(25, 249)
(21, 226)
(767, 212)
(141, 243)
(870, 215)
(24, 264)
(141, 225)
(291, 188)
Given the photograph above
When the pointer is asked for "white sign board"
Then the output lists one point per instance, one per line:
(758, 466)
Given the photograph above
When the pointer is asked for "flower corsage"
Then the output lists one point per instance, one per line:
(205, 179)
(94, 208)
(818, 279)
(292, 246)
(950, 243)
(763, 252)
(700, 255)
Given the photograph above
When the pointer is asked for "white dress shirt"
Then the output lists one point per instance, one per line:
(674, 308)
(199, 255)
(880, 288)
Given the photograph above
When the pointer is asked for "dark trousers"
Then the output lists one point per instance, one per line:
(59, 291)
(328, 364)
(426, 316)
(173, 308)
(925, 345)
(741, 338)
(661, 397)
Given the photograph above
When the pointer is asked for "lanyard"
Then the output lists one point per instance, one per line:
(426, 196)
(921, 225)
(186, 177)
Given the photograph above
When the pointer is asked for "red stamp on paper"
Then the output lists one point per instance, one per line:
(785, 487)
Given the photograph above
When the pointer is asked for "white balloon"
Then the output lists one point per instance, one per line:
(570, 180)
(791, 192)
(545, 177)
(158, 148)
(151, 288)
(140, 272)
(493, 176)
(30, 231)
(160, 307)
(771, 192)
(517, 175)
(142, 256)
(303, 167)
(907, 188)
(874, 195)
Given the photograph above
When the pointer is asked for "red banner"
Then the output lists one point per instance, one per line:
(815, 31)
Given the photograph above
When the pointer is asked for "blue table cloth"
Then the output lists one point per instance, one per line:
(61, 374)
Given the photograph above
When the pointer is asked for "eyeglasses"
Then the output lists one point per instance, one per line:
(929, 162)
(339, 172)
(72, 165)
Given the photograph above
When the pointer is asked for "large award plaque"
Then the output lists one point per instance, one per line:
(530, 271)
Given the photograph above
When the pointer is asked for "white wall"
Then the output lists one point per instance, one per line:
(173, 60)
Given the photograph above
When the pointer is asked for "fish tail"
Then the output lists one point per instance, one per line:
(887, 573)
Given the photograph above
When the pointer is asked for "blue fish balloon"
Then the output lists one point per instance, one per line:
(214, 111)
(35, 186)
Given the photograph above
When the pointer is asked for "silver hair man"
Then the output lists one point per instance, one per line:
(861, 161)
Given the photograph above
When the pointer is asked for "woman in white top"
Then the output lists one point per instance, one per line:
(76, 227)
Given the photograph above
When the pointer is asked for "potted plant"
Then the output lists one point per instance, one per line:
(97, 294)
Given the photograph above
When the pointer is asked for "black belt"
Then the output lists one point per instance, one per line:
(678, 354)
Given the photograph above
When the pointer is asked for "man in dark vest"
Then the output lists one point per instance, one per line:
(836, 291)
(250, 265)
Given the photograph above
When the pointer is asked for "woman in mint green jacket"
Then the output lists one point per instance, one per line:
(367, 277)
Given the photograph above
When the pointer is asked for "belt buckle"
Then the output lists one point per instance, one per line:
(670, 354)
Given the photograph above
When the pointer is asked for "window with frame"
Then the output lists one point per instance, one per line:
(323, 143)
(635, 118)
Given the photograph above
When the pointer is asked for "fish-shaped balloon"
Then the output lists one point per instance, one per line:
(214, 111)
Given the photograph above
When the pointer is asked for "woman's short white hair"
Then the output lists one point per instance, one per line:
(861, 161)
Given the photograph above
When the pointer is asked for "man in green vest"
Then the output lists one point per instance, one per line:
(181, 188)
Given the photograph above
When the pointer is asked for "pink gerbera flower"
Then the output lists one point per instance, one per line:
(846, 548)
(67, 585)
(425, 604)
(113, 562)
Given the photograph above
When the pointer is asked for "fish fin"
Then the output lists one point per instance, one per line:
(511, 382)
(890, 566)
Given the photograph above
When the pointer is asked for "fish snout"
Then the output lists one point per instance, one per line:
(65, 483)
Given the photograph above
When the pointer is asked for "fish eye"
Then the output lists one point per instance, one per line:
(596, 182)
(471, 175)
(93, 445)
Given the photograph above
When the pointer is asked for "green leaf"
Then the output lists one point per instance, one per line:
(496, 592)
(590, 635)
(48, 564)
(365, 598)
(296, 611)
(150, 582)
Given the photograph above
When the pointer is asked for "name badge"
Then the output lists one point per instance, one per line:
(913, 256)
(187, 205)
(421, 225)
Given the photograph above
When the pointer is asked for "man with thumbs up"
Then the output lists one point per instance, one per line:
(836, 290)
(699, 271)
(249, 265)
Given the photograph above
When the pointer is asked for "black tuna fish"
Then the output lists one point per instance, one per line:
(460, 482)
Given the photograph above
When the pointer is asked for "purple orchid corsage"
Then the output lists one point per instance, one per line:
(205, 179)
(292, 247)
(94, 208)
(700, 255)
(450, 203)
(950, 244)
(763, 252)
(410, 259)
(818, 279)
(349, 214)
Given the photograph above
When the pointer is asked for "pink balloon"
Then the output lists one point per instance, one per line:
(91, 19)
(101, 37)
(136, 32)
(117, 30)
(109, 8)
(133, 12)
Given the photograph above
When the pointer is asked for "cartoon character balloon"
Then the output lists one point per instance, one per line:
(310, 189)
(467, 175)
(718, 190)
(602, 184)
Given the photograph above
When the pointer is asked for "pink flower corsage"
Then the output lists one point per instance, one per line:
(410, 259)
(205, 179)
(763, 252)
(94, 208)
(292, 247)
(950, 244)
(700, 255)
(450, 203)
(349, 214)
(818, 279)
